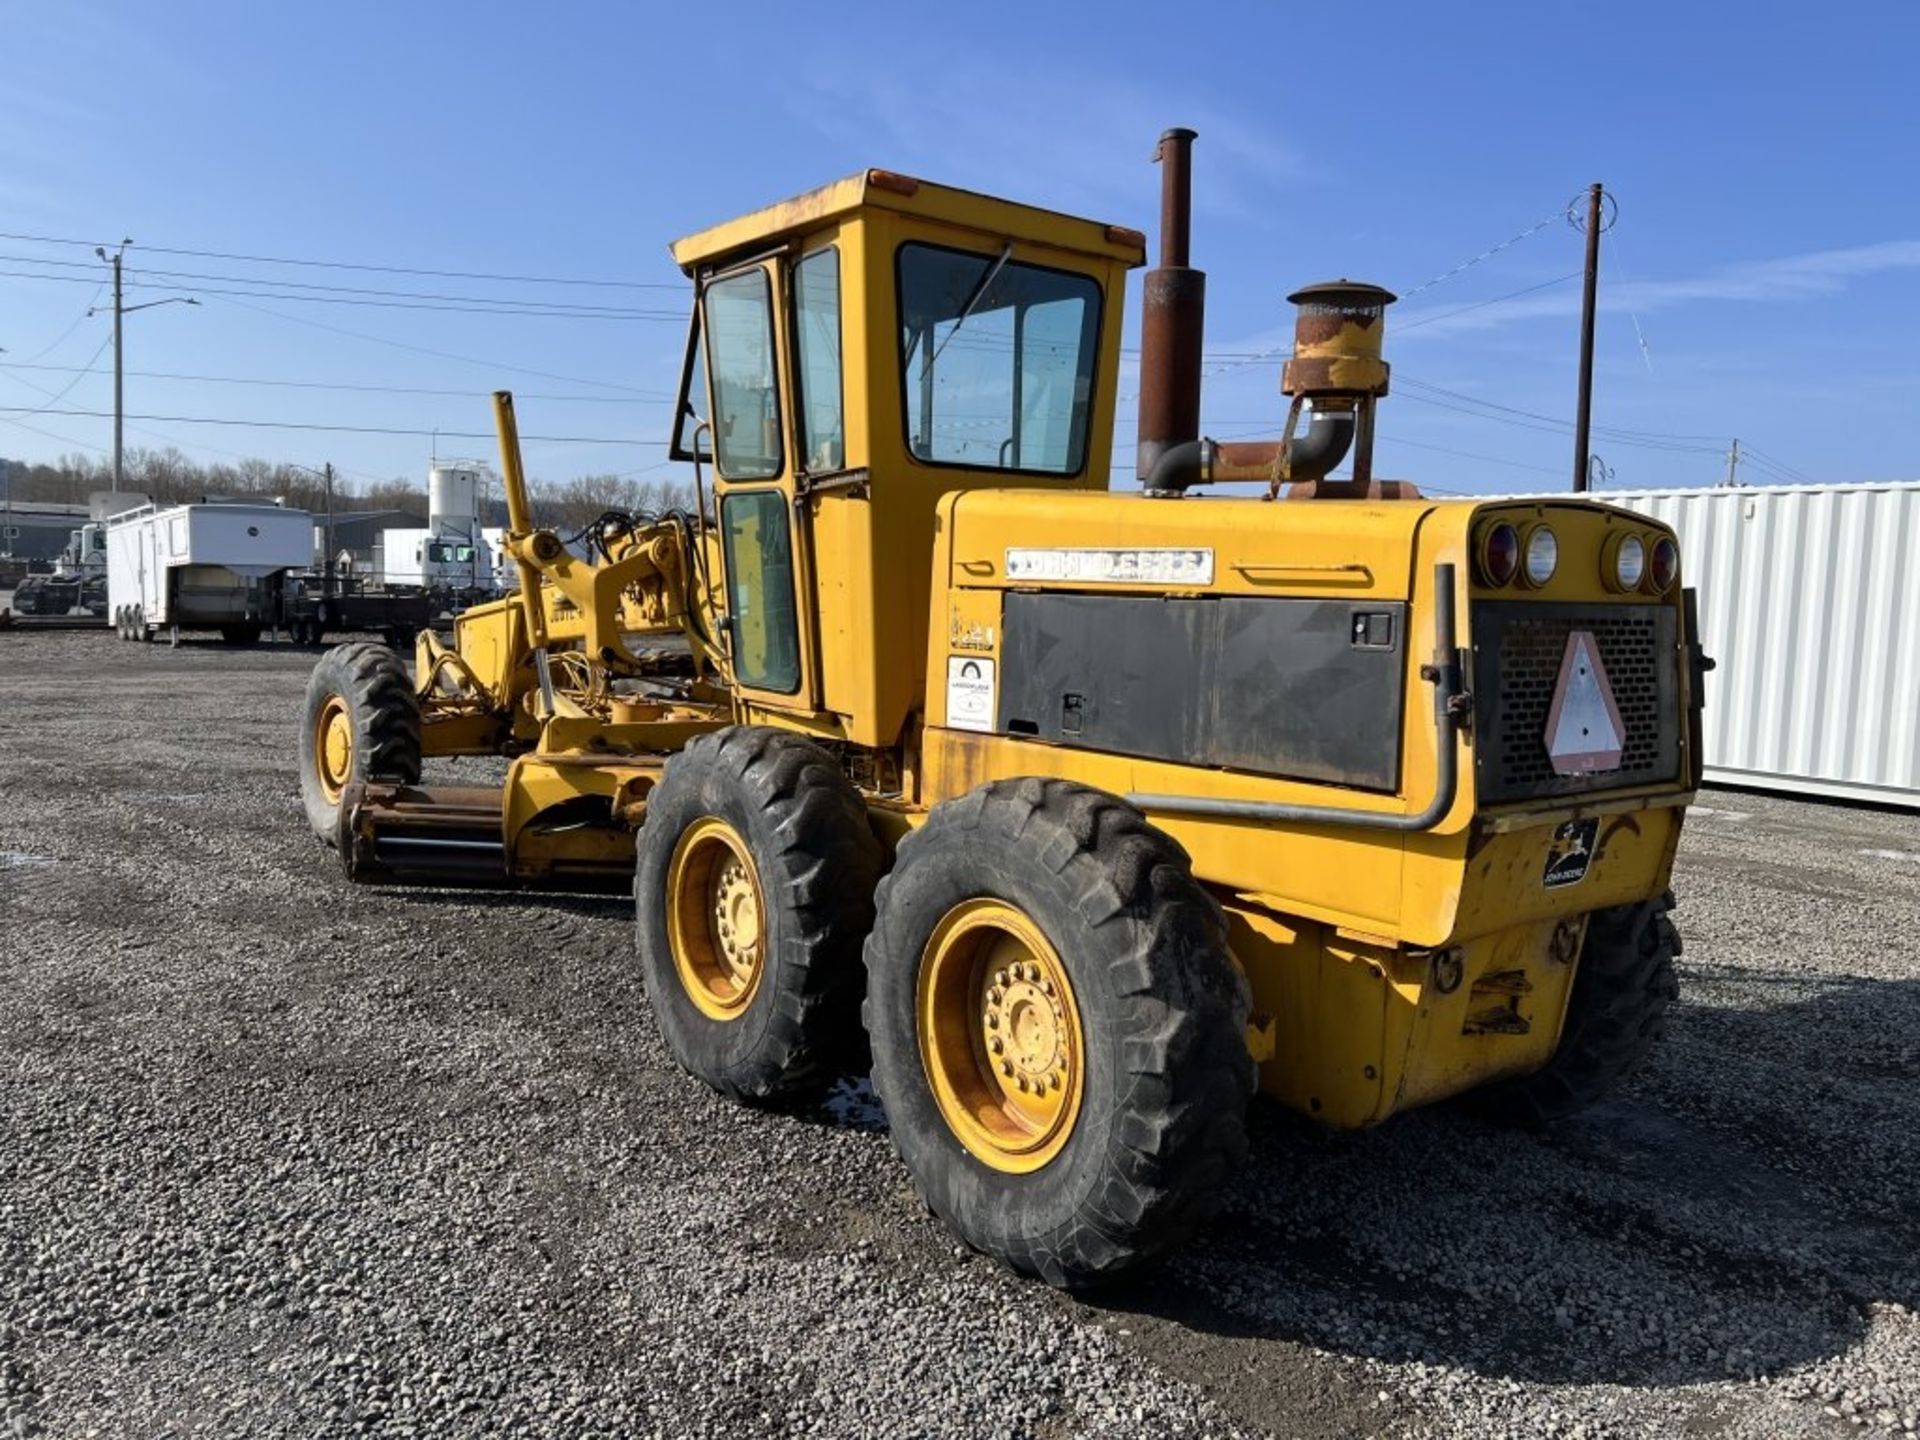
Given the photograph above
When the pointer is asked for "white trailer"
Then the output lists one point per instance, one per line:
(1810, 605)
(202, 567)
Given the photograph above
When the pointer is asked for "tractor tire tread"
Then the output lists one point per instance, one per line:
(1158, 939)
(376, 685)
(1617, 1013)
(824, 861)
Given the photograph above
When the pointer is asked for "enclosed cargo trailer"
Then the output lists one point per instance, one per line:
(203, 567)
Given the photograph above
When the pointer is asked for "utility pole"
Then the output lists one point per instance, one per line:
(120, 311)
(1733, 463)
(327, 572)
(1583, 417)
(119, 366)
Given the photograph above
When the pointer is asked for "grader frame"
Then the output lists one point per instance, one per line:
(1165, 791)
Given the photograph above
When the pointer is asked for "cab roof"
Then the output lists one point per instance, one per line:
(885, 190)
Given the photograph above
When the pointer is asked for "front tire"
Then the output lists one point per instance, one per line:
(754, 874)
(362, 723)
(1617, 1013)
(1103, 1128)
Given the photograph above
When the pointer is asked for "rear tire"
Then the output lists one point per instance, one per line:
(1154, 1019)
(754, 874)
(1615, 1016)
(362, 722)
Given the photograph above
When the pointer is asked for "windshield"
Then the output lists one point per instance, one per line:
(997, 359)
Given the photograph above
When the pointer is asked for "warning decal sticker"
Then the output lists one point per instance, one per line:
(1584, 732)
(970, 700)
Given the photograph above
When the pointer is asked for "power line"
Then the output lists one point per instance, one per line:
(349, 265)
(548, 313)
(98, 287)
(655, 397)
(438, 354)
(1620, 434)
(1767, 461)
(137, 429)
(1469, 455)
(568, 305)
(1487, 254)
(1563, 428)
(341, 429)
(49, 435)
(1482, 304)
(66, 390)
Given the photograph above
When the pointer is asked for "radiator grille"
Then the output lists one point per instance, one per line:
(1518, 650)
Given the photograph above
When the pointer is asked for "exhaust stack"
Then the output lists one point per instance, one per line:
(1336, 373)
(1172, 322)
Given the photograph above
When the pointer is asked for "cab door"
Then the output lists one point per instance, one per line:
(769, 630)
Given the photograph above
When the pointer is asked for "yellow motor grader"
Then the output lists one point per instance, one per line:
(1083, 812)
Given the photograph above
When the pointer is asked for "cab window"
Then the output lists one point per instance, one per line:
(738, 331)
(691, 434)
(997, 360)
(816, 329)
(760, 604)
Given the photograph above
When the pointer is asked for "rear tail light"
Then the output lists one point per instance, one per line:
(1665, 568)
(1499, 555)
(1626, 563)
(1543, 554)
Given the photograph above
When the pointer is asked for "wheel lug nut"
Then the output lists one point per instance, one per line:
(1006, 1067)
(996, 1045)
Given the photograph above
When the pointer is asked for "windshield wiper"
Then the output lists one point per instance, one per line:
(975, 297)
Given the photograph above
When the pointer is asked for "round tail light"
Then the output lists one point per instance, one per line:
(1500, 555)
(1543, 554)
(1629, 563)
(1666, 565)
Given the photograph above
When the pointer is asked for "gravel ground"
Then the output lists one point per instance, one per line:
(279, 1156)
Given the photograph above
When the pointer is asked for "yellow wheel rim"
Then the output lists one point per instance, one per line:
(333, 747)
(716, 919)
(1000, 1036)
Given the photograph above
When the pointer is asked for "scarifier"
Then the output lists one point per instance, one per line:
(1091, 810)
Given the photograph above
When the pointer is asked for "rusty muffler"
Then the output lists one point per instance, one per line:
(1172, 323)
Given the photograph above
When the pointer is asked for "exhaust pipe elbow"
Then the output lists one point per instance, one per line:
(1325, 445)
(1177, 468)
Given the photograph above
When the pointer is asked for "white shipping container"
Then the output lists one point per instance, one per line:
(1810, 604)
(202, 565)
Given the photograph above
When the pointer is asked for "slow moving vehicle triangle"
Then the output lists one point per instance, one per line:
(1584, 731)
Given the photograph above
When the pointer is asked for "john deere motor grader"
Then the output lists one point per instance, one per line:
(1124, 800)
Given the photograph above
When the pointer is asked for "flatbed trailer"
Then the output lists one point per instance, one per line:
(312, 608)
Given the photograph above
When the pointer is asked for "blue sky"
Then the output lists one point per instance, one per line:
(1767, 248)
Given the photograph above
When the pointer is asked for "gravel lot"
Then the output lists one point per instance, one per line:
(283, 1157)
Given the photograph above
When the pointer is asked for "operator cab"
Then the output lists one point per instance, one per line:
(854, 354)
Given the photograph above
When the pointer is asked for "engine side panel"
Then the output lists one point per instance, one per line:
(1310, 689)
